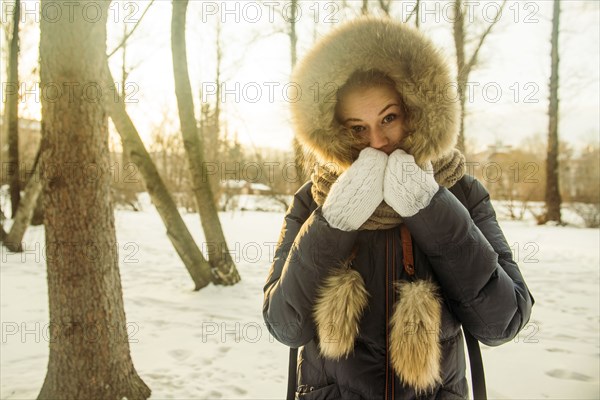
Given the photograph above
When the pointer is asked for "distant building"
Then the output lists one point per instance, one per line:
(244, 187)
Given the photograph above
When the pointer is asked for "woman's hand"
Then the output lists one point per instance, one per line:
(357, 192)
(406, 187)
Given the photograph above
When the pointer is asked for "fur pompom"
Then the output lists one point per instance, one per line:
(415, 350)
(338, 309)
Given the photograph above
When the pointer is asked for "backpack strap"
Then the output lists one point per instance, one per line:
(407, 250)
(477, 374)
(291, 391)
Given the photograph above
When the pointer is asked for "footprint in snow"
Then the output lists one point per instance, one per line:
(563, 374)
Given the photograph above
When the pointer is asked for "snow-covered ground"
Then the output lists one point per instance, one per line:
(213, 344)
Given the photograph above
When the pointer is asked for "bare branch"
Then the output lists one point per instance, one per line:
(413, 12)
(385, 6)
(473, 59)
(131, 31)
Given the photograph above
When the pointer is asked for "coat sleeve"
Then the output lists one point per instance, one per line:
(474, 264)
(306, 249)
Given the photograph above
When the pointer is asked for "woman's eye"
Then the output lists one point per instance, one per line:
(357, 128)
(389, 118)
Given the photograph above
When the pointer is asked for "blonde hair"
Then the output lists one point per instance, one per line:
(362, 79)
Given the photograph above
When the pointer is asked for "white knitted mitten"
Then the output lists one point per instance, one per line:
(406, 187)
(357, 192)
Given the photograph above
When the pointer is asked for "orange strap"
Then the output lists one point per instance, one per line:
(407, 250)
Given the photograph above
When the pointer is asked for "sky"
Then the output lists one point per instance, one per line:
(509, 85)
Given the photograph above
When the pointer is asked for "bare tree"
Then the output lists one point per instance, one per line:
(12, 111)
(222, 264)
(180, 236)
(33, 212)
(178, 233)
(553, 198)
(24, 214)
(415, 12)
(210, 120)
(465, 64)
(585, 199)
(417, 16)
(89, 351)
(385, 6)
(167, 149)
(124, 192)
(124, 75)
(298, 151)
(2, 233)
(128, 34)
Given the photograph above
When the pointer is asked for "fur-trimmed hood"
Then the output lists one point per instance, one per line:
(420, 71)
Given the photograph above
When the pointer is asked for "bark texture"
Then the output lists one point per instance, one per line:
(89, 347)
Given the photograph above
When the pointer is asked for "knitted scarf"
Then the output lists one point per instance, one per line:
(447, 170)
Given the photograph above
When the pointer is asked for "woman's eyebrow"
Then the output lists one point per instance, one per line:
(386, 107)
(380, 112)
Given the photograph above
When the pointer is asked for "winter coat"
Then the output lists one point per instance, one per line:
(461, 247)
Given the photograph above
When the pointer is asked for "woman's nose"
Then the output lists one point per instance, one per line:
(378, 139)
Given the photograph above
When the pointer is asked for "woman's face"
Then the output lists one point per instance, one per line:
(374, 114)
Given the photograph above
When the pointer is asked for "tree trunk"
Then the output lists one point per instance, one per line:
(22, 218)
(30, 211)
(209, 137)
(218, 252)
(465, 65)
(459, 44)
(385, 6)
(181, 238)
(2, 231)
(38, 211)
(298, 157)
(293, 34)
(89, 348)
(553, 199)
(12, 110)
(417, 13)
(364, 10)
(125, 154)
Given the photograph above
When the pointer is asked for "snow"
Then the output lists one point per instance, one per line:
(213, 344)
(256, 202)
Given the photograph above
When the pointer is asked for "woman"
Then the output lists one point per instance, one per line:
(378, 118)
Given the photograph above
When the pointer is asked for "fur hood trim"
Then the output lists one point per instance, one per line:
(420, 71)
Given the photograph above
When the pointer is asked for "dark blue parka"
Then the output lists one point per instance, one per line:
(464, 249)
